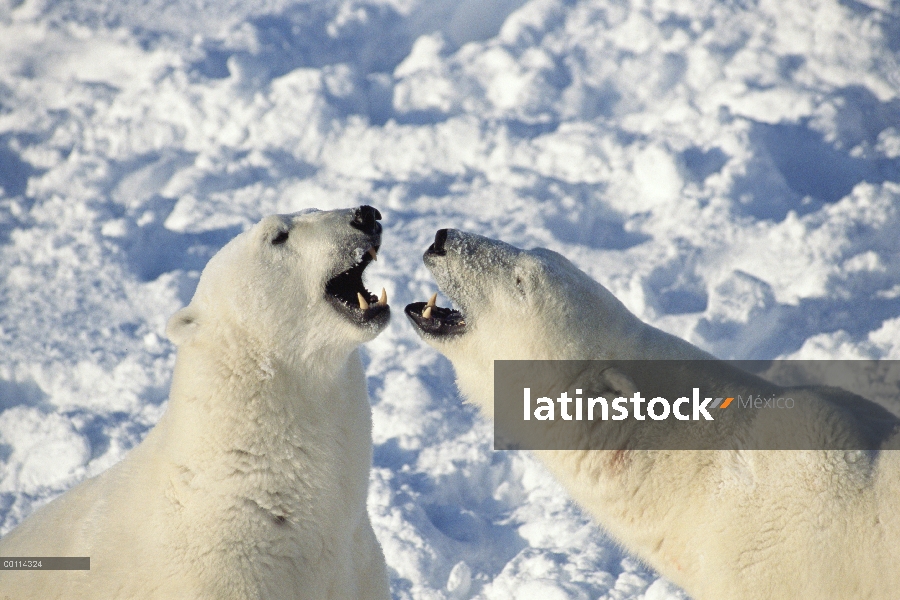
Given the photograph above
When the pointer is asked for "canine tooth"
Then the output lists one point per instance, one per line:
(427, 312)
(362, 301)
(432, 300)
(373, 253)
(383, 299)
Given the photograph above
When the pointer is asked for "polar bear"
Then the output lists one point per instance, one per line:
(733, 524)
(253, 484)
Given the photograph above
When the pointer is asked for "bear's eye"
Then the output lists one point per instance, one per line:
(520, 285)
(280, 237)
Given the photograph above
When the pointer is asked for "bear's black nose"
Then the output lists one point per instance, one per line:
(440, 239)
(364, 219)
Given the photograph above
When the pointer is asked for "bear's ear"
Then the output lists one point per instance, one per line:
(610, 382)
(618, 382)
(182, 325)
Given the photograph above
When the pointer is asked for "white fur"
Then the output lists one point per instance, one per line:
(253, 484)
(722, 524)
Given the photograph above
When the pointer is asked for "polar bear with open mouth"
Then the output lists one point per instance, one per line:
(253, 484)
(735, 524)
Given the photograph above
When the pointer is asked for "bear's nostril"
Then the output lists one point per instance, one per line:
(364, 219)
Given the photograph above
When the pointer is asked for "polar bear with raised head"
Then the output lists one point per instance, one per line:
(253, 484)
(723, 524)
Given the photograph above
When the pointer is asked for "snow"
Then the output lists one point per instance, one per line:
(730, 170)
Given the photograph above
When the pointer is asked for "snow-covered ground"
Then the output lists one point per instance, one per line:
(730, 170)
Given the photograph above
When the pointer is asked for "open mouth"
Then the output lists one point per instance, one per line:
(428, 317)
(435, 320)
(348, 294)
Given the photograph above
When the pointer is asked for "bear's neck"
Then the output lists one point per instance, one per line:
(242, 411)
(267, 451)
(629, 339)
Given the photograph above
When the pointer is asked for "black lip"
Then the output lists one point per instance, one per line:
(375, 315)
(342, 289)
(443, 321)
